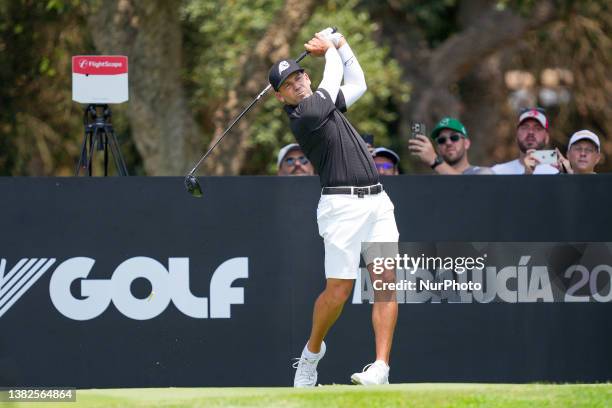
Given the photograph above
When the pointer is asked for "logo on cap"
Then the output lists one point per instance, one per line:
(535, 114)
(283, 65)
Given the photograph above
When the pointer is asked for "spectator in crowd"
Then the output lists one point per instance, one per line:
(452, 142)
(368, 138)
(531, 135)
(387, 161)
(291, 161)
(583, 154)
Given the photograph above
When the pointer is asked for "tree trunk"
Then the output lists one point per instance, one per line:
(483, 92)
(149, 33)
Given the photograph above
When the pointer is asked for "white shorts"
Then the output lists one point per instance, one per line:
(345, 222)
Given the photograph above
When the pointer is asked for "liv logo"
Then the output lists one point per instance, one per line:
(19, 279)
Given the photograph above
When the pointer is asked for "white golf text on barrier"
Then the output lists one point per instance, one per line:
(170, 284)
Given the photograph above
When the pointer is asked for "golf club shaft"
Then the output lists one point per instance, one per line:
(302, 55)
(257, 98)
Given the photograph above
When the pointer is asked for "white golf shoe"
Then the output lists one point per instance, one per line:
(376, 373)
(306, 373)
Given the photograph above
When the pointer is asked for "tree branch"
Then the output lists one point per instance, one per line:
(462, 52)
(495, 29)
(149, 33)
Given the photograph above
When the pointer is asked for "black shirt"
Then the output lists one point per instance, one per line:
(330, 142)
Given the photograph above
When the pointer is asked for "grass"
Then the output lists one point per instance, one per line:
(398, 395)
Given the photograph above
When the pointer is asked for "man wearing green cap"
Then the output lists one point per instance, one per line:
(451, 138)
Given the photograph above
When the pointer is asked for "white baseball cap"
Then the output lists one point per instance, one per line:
(283, 152)
(582, 135)
(390, 154)
(534, 114)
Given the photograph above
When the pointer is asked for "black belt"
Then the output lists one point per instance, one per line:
(358, 191)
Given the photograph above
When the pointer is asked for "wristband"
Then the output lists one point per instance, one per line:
(438, 161)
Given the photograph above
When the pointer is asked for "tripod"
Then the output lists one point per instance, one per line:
(99, 129)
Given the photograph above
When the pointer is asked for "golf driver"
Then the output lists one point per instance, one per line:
(191, 181)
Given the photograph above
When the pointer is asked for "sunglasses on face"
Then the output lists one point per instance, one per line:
(384, 166)
(292, 161)
(453, 138)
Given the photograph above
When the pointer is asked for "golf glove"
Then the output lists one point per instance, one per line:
(331, 36)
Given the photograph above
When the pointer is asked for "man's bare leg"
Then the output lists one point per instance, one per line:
(327, 308)
(384, 314)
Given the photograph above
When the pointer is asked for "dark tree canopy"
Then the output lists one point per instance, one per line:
(194, 64)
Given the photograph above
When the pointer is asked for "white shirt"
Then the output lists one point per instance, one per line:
(515, 167)
(473, 170)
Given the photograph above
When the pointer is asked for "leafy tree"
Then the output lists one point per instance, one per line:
(269, 130)
(221, 33)
(40, 127)
(455, 54)
(195, 64)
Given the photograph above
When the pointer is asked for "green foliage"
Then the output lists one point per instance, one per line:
(436, 19)
(61, 6)
(30, 45)
(228, 29)
(221, 33)
(40, 126)
(372, 114)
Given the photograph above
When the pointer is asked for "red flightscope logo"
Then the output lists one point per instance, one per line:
(169, 284)
(99, 65)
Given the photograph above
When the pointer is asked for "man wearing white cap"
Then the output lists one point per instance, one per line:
(291, 161)
(531, 135)
(583, 154)
(387, 161)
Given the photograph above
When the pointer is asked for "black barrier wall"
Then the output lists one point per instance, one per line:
(131, 282)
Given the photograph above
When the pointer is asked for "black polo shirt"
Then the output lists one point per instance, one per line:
(330, 142)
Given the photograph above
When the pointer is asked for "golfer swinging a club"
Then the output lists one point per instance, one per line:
(353, 208)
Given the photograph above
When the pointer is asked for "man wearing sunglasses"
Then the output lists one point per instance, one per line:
(387, 161)
(353, 209)
(531, 135)
(452, 142)
(583, 154)
(291, 161)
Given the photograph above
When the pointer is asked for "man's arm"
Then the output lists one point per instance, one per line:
(563, 165)
(422, 148)
(354, 80)
(332, 74)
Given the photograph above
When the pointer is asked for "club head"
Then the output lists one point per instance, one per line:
(193, 186)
